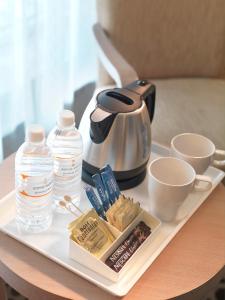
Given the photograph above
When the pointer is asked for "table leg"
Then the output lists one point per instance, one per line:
(3, 295)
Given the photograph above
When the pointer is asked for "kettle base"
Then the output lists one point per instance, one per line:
(124, 184)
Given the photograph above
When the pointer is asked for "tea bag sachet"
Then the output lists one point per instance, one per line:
(90, 232)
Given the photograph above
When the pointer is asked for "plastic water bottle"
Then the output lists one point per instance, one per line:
(66, 144)
(34, 182)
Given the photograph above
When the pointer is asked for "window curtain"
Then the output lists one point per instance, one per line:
(47, 51)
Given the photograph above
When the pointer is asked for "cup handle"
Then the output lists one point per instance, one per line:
(219, 163)
(203, 178)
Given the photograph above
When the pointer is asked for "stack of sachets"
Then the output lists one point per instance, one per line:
(90, 232)
(122, 212)
(114, 207)
(95, 230)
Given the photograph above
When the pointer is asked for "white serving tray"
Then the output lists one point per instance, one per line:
(54, 243)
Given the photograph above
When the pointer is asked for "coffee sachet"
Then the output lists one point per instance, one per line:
(127, 248)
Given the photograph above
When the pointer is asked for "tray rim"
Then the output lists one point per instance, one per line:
(159, 150)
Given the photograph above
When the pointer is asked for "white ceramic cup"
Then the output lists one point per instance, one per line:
(197, 150)
(170, 181)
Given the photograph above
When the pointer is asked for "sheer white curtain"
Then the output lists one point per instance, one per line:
(46, 52)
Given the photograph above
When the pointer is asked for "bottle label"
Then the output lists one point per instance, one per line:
(67, 167)
(35, 186)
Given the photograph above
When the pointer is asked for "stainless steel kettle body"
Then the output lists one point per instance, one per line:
(116, 130)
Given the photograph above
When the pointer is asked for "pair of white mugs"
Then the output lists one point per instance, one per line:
(171, 179)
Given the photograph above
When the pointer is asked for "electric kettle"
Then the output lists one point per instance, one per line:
(116, 130)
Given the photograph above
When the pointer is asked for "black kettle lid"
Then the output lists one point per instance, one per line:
(118, 100)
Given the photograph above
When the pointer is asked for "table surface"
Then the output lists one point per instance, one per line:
(192, 258)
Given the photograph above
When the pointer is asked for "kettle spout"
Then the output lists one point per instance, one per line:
(150, 101)
(101, 123)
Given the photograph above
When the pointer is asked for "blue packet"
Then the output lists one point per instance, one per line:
(94, 201)
(113, 180)
(106, 178)
(101, 191)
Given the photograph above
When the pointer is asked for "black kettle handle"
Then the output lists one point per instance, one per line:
(147, 91)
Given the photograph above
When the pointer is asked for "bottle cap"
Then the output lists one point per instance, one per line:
(66, 118)
(35, 133)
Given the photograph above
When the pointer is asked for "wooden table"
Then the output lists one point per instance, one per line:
(193, 258)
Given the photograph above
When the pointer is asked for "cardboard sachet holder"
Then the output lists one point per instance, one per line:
(97, 265)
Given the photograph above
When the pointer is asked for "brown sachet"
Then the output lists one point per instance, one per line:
(128, 247)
